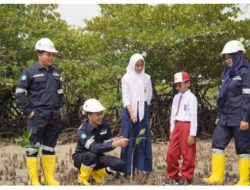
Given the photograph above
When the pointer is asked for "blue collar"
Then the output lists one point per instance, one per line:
(40, 67)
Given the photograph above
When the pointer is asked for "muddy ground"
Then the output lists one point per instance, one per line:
(13, 170)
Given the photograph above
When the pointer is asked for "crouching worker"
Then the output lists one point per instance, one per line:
(94, 139)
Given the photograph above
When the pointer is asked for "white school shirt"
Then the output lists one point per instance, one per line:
(126, 94)
(187, 111)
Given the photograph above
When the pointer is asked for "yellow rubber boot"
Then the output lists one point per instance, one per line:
(83, 177)
(244, 166)
(98, 175)
(218, 169)
(48, 164)
(32, 165)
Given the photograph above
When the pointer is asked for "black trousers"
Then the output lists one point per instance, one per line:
(223, 134)
(100, 160)
(44, 131)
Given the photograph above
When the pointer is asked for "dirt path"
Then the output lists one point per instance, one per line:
(13, 170)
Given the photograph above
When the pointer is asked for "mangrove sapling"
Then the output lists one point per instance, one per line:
(138, 140)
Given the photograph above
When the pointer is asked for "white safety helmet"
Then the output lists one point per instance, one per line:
(233, 47)
(92, 106)
(45, 44)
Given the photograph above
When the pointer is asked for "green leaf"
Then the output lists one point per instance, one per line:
(137, 141)
(19, 140)
(142, 132)
(24, 140)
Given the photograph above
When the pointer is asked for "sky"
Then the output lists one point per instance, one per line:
(74, 13)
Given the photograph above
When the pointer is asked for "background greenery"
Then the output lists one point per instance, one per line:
(93, 59)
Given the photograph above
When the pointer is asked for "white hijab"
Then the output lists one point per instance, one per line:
(136, 83)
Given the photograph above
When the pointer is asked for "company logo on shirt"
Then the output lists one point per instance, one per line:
(56, 74)
(103, 132)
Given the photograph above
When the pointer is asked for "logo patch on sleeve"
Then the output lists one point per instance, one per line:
(83, 136)
(24, 77)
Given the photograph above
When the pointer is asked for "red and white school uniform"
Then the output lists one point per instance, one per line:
(183, 123)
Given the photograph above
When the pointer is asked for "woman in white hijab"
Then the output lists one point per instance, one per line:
(136, 97)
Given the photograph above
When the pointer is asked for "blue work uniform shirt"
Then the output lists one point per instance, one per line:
(96, 140)
(237, 103)
(40, 90)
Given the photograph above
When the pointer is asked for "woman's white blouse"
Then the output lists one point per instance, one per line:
(126, 94)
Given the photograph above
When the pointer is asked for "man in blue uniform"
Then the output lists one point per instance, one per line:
(233, 115)
(39, 95)
(94, 139)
